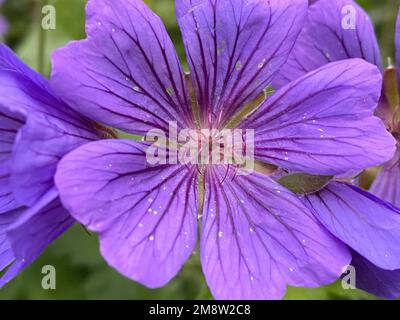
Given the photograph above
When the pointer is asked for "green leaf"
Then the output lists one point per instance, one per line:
(303, 183)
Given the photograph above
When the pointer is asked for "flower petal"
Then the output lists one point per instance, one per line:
(323, 122)
(23, 89)
(146, 215)
(10, 123)
(329, 36)
(387, 184)
(52, 129)
(257, 237)
(365, 223)
(42, 142)
(370, 278)
(235, 47)
(6, 254)
(126, 73)
(30, 232)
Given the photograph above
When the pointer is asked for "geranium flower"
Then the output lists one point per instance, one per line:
(367, 224)
(36, 129)
(257, 236)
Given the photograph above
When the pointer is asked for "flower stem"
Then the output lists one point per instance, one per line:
(41, 49)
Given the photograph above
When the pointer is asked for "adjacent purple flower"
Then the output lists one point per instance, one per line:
(257, 237)
(37, 128)
(365, 223)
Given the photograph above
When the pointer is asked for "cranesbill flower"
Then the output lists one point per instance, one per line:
(36, 129)
(334, 31)
(257, 236)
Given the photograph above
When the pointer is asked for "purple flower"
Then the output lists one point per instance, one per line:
(37, 128)
(257, 237)
(365, 223)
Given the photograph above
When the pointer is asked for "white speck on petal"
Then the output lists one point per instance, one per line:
(151, 238)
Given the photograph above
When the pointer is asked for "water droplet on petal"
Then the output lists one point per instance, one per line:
(151, 238)
(261, 64)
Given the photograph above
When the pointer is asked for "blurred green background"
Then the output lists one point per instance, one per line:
(81, 272)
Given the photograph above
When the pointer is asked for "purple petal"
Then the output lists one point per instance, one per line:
(52, 129)
(370, 278)
(387, 184)
(10, 123)
(365, 223)
(324, 40)
(323, 122)
(146, 215)
(33, 230)
(41, 145)
(127, 73)
(21, 88)
(234, 48)
(257, 238)
(6, 254)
